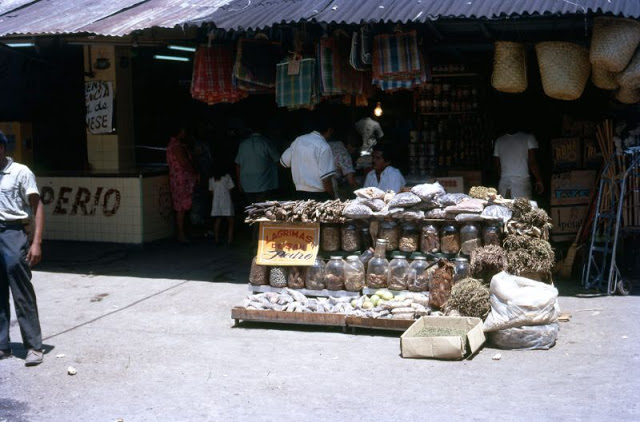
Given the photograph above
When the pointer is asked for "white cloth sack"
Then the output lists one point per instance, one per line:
(517, 301)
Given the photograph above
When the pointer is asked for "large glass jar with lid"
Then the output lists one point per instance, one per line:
(354, 274)
(397, 274)
(378, 266)
(469, 238)
(390, 232)
(334, 273)
(491, 234)
(417, 275)
(365, 238)
(315, 276)
(429, 239)
(409, 237)
(461, 269)
(449, 239)
(330, 237)
(350, 237)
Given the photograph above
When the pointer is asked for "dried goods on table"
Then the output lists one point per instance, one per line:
(334, 273)
(487, 262)
(296, 277)
(390, 232)
(471, 206)
(464, 217)
(308, 211)
(497, 212)
(350, 237)
(428, 191)
(356, 210)
(354, 274)
(452, 199)
(435, 214)
(388, 196)
(482, 192)
(314, 279)
(469, 238)
(429, 239)
(440, 284)
(469, 297)
(278, 277)
(409, 238)
(259, 274)
(376, 280)
(404, 199)
(418, 275)
(411, 214)
(397, 274)
(450, 240)
(370, 193)
(374, 204)
(528, 254)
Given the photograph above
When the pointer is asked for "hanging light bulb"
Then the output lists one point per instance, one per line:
(378, 110)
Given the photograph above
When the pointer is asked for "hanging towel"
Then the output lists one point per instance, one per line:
(365, 46)
(299, 90)
(396, 56)
(211, 78)
(255, 65)
(355, 56)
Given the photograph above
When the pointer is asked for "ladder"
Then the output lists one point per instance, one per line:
(601, 267)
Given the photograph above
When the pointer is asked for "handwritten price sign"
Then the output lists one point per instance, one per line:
(288, 244)
(98, 97)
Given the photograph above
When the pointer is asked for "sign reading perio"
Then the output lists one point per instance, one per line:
(288, 244)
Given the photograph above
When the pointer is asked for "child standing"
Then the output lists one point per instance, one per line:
(222, 206)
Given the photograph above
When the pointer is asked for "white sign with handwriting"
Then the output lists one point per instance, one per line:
(98, 96)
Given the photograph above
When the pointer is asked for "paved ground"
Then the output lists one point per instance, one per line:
(150, 334)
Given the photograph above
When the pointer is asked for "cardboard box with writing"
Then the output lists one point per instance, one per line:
(413, 345)
(450, 184)
(470, 178)
(567, 221)
(566, 153)
(572, 187)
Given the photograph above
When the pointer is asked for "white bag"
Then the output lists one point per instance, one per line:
(517, 301)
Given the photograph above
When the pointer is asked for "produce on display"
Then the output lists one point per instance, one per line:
(469, 297)
(487, 262)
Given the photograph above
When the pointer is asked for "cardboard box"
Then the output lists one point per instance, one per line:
(592, 156)
(450, 184)
(442, 347)
(567, 222)
(470, 178)
(566, 153)
(573, 187)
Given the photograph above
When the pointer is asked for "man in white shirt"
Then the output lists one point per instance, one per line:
(515, 156)
(311, 162)
(384, 176)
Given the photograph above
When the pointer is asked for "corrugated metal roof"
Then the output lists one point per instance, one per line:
(256, 14)
(104, 17)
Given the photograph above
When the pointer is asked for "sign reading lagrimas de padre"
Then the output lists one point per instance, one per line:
(98, 98)
(288, 243)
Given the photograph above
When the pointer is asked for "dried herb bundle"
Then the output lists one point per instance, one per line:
(528, 254)
(482, 192)
(487, 262)
(470, 297)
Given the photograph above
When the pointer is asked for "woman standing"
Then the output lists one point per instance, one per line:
(182, 179)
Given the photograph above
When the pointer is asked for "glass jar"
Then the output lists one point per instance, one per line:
(378, 265)
(409, 237)
(259, 274)
(334, 273)
(417, 275)
(470, 238)
(315, 276)
(278, 276)
(366, 256)
(429, 239)
(491, 235)
(461, 269)
(449, 239)
(330, 237)
(397, 274)
(353, 274)
(365, 238)
(296, 277)
(350, 237)
(390, 232)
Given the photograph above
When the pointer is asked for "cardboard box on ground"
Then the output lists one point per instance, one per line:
(567, 221)
(412, 345)
(572, 187)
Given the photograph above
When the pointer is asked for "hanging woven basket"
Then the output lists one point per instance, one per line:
(564, 68)
(509, 67)
(613, 42)
(603, 79)
(628, 96)
(630, 76)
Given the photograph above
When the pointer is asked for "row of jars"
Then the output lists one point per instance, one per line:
(410, 237)
(350, 274)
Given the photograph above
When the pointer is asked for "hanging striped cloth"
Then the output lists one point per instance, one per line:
(255, 65)
(397, 62)
(299, 90)
(211, 78)
(337, 77)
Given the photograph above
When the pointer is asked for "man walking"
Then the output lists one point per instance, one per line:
(19, 198)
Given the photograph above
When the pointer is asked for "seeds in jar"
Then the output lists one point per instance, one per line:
(354, 281)
(419, 284)
(391, 236)
(398, 281)
(278, 277)
(376, 280)
(330, 238)
(315, 279)
(450, 243)
(350, 240)
(430, 242)
(334, 282)
(408, 244)
(259, 274)
(295, 280)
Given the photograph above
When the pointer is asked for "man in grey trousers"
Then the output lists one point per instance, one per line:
(19, 201)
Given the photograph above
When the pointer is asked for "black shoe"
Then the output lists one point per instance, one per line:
(4, 354)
